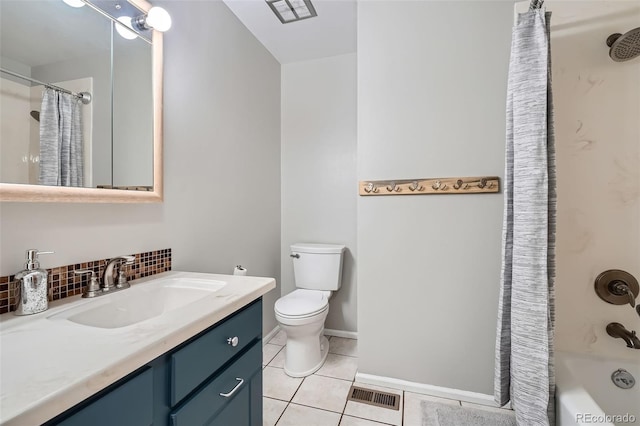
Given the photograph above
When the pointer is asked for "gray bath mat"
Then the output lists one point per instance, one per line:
(436, 414)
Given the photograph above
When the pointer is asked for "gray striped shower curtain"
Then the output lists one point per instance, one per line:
(524, 368)
(61, 141)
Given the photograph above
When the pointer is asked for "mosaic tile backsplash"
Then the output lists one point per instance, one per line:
(64, 283)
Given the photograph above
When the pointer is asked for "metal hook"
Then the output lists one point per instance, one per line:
(483, 183)
(490, 185)
(466, 186)
(436, 185)
(393, 187)
(370, 188)
(416, 186)
(444, 186)
(458, 184)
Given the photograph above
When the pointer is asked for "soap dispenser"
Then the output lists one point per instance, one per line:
(31, 286)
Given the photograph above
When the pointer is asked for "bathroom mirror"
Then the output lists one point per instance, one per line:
(79, 50)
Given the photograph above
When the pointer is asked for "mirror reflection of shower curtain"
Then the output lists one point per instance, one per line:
(61, 145)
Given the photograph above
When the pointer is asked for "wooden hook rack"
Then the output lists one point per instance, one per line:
(428, 186)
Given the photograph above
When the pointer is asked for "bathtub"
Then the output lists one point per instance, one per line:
(585, 394)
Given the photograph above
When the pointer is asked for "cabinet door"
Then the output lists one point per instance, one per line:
(129, 404)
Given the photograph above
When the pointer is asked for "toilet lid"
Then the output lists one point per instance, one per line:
(301, 303)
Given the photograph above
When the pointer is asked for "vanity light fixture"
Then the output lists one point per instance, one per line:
(123, 29)
(157, 18)
(292, 10)
(74, 3)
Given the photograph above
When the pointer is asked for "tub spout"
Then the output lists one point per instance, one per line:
(618, 330)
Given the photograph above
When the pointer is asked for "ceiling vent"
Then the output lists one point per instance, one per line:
(292, 10)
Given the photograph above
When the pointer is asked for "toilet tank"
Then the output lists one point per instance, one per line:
(317, 266)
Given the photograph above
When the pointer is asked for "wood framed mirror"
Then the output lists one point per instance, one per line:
(99, 192)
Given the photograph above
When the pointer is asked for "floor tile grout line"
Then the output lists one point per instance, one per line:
(281, 414)
(277, 399)
(317, 408)
(364, 418)
(297, 389)
(279, 350)
(331, 377)
(320, 408)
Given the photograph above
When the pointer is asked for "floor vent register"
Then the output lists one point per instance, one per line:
(376, 398)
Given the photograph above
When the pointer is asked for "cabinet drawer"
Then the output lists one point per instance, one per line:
(130, 404)
(201, 408)
(194, 363)
(236, 413)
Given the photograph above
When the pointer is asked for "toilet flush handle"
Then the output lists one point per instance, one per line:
(296, 255)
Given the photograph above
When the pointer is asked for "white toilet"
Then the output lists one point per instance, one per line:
(317, 269)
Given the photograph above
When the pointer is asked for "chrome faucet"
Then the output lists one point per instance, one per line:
(618, 331)
(109, 283)
(108, 278)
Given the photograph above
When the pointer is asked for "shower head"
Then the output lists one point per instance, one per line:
(624, 47)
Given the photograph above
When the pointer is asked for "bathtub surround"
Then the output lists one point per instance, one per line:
(597, 105)
(63, 282)
(219, 211)
(319, 182)
(429, 266)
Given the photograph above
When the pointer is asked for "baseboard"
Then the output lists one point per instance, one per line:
(341, 333)
(439, 391)
(269, 335)
(327, 332)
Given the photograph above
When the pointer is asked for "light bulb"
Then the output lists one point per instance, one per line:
(74, 3)
(123, 31)
(159, 19)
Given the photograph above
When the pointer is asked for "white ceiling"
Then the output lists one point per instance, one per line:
(332, 32)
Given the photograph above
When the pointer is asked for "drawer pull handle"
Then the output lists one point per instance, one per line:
(240, 383)
(233, 341)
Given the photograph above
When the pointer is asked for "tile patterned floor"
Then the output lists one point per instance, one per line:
(321, 399)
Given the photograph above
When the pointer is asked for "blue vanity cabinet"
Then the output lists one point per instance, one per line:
(214, 378)
(128, 403)
(214, 397)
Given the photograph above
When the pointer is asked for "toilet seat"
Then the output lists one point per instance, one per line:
(302, 304)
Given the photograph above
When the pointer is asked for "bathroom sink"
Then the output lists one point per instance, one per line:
(139, 303)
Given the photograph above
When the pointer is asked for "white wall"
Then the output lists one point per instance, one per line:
(431, 103)
(222, 165)
(597, 105)
(14, 131)
(319, 170)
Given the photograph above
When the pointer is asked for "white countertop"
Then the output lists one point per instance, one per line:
(47, 366)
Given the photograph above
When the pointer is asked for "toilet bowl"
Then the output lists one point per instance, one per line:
(301, 313)
(301, 316)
